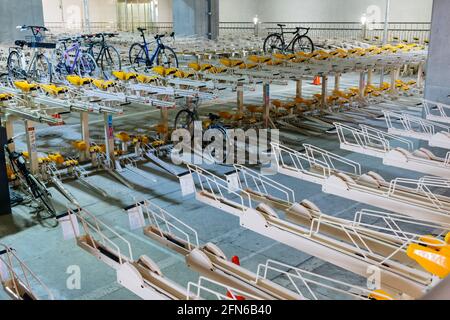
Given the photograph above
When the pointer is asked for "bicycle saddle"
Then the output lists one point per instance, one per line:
(25, 86)
(20, 43)
(281, 25)
(159, 36)
(141, 29)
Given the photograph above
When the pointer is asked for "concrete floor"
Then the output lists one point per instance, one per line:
(49, 256)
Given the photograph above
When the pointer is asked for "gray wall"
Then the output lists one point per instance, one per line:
(437, 86)
(191, 17)
(18, 12)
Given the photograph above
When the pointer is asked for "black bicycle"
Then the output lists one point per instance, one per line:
(106, 56)
(276, 42)
(31, 185)
(141, 55)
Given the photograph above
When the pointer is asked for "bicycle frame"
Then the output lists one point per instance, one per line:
(77, 48)
(159, 46)
(296, 33)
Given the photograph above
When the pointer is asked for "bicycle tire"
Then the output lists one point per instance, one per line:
(109, 64)
(46, 70)
(15, 70)
(137, 55)
(269, 47)
(59, 68)
(226, 142)
(305, 44)
(167, 62)
(86, 65)
(184, 119)
(42, 195)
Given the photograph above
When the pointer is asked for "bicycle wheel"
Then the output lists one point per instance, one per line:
(227, 144)
(42, 70)
(15, 71)
(167, 58)
(110, 61)
(303, 44)
(185, 120)
(137, 55)
(86, 65)
(59, 69)
(273, 44)
(42, 196)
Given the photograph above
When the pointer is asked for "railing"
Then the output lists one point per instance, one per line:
(397, 31)
(310, 285)
(18, 275)
(409, 123)
(212, 290)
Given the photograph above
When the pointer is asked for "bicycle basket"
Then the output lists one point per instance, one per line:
(38, 41)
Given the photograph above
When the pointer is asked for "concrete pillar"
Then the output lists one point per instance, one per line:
(196, 18)
(437, 86)
(19, 12)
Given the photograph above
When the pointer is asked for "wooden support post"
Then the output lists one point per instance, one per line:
(31, 146)
(85, 134)
(324, 91)
(394, 73)
(420, 75)
(9, 126)
(165, 123)
(240, 98)
(109, 139)
(299, 88)
(337, 81)
(362, 84)
(370, 77)
(266, 99)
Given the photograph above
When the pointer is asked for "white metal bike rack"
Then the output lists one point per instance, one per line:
(354, 254)
(436, 111)
(17, 279)
(210, 261)
(342, 177)
(405, 125)
(142, 276)
(394, 151)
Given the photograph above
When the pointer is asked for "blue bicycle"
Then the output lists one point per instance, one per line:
(140, 55)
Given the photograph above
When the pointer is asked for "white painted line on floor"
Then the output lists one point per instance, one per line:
(253, 254)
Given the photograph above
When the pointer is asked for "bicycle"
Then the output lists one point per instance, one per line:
(38, 68)
(186, 118)
(276, 42)
(74, 60)
(105, 55)
(30, 184)
(163, 55)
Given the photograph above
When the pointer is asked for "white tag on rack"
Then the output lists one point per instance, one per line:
(187, 184)
(136, 218)
(69, 226)
(233, 182)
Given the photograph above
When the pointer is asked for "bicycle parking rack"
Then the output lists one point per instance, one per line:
(377, 143)
(142, 276)
(211, 262)
(397, 278)
(342, 177)
(17, 279)
(436, 111)
(405, 125)
(394, 238)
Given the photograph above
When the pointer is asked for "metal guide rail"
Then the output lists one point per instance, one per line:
(17, 279)
(142, 276)
(405, 125)
(400, 278)
(394, 151)
(342, 177)
(212, 263)
(436, 111)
